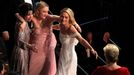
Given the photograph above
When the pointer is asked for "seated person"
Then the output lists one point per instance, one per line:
(111, 53)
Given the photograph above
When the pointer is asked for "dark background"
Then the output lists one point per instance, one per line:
(113, 16)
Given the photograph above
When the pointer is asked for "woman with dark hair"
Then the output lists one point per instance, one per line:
(20, 55)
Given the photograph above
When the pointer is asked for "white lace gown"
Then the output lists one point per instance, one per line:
(67, 64)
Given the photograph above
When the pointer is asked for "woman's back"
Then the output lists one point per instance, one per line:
(103, 70)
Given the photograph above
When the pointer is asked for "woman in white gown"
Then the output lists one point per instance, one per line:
(69, 37)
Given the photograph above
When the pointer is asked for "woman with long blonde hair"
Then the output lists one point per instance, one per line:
(69, 38)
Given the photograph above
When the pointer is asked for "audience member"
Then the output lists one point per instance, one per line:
(111, 53)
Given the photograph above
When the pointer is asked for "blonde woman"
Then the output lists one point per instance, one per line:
(42, 57)
(111, 53)
(69, 38)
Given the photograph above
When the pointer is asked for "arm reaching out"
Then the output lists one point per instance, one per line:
(83, 41)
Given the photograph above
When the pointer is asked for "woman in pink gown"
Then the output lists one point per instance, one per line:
(42, 59)
(42, 56)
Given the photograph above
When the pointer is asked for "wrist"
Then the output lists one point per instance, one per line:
(91, 49)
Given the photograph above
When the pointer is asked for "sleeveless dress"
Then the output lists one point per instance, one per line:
(20, 54)
(67, 64)
(43, 61)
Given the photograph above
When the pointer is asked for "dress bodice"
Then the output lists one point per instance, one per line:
(68, 42)
(68, 39)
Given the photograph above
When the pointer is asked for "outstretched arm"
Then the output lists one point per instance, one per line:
(86, 44)
(83, 41)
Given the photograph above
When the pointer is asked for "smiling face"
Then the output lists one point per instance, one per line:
(67, 16)
(29, 16)
(64, 18)
(43, 12)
